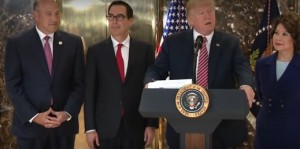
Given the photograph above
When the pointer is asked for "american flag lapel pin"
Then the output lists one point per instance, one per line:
(217, 45)
(60, 42)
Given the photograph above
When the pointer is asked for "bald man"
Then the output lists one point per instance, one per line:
(44, 76)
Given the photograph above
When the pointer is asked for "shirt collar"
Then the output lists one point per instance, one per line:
(42, 35)
(125, 42)
(208, 37)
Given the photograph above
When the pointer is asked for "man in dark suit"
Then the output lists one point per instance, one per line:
(46, 92)
(228, 68)
(114, 83)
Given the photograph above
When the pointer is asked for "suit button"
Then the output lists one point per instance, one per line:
(282, 106)
(270, 99)
(270, 105)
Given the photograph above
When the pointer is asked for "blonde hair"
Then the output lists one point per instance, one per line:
(196, 3)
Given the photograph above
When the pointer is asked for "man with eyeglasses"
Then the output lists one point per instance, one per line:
(114, 82)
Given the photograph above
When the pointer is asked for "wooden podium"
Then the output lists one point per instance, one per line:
(223, 104)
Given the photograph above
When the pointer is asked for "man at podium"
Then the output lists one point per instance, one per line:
(220, 64)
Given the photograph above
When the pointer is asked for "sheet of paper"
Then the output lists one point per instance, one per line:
(175, 84)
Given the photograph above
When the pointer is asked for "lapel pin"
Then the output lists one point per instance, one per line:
(217, 45)
(60, 42)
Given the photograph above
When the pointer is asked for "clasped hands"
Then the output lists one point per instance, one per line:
(51, 118)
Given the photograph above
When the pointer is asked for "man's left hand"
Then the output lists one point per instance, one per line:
(149, 135)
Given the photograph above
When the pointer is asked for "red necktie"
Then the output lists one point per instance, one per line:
(48, 54)
(202, 72)
(120, 61)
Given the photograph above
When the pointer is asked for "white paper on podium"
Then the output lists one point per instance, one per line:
(175, 84)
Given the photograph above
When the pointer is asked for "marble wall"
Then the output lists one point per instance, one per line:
(240, 17)
(15, 16)
(88, 19)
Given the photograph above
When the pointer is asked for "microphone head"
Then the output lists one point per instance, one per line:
(198, 43)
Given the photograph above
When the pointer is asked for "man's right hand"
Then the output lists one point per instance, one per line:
(92, 140)
(44, 119)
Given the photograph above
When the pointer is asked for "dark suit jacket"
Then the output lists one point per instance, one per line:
(105, 93)
(278, 119)
(30, 86)
(227, 69)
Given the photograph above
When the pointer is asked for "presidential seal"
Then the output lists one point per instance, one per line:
(192, 100)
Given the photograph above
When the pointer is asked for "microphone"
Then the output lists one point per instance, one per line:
(197, 45)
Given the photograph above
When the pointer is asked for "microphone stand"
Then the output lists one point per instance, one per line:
(197, 46)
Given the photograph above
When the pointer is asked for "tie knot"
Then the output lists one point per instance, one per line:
(46, 38)
(204, 39)
(120, 45)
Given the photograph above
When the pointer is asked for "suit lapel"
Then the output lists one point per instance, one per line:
(111, 58)
(189, 52)
(133, 53)
(294, 64)
(38, 49)
(270, 69)
(58, 45)
(214, 53)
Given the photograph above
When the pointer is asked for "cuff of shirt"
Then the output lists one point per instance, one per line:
(92, 130)
(30, 121)
(69, 116)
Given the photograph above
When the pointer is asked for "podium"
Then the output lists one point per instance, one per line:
(230, 104)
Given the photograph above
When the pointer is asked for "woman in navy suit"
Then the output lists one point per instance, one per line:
(278, 88)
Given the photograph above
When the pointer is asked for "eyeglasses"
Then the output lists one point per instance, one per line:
(118, 17)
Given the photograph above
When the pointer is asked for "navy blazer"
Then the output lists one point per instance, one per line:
(105, 93)
(228, 68)
(30, 86)
(278, 120)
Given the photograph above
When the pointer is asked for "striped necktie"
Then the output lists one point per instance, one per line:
(202, 72)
